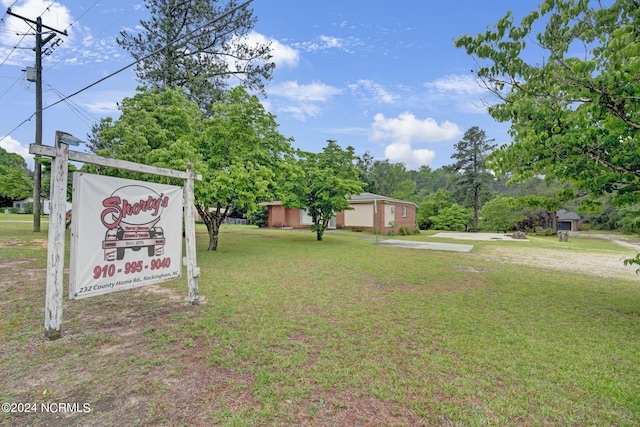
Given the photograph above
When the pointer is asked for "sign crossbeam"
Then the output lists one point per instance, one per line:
(77, 156)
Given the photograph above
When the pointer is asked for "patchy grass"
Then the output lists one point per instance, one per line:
(341, 332)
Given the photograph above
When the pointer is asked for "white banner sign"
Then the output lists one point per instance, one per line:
(124, 234)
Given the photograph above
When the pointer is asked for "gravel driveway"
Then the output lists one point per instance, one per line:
(606, 264)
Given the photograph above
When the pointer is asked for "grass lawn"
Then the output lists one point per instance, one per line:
(292, 331)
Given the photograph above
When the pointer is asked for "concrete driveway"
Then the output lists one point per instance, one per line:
(456, 247)
(477, 236)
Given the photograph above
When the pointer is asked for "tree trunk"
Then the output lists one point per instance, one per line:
(213, 235)
(476, 203)
(212, 220)
(319, 229)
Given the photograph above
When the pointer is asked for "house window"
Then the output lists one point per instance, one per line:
(404, 212)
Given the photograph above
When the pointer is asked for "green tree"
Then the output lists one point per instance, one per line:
(259, 217)
(431, 206)
(386, 177)
(603, 216)
(501, 213)
(453, 217)
(364, 164)
(629, 219)
(198, 45)
(159, 127)
(574, 112)
(405, 190)
(246, 160)
(239, 151)
(329, 178)
(16, 182)
(429, 181)
(472, 178)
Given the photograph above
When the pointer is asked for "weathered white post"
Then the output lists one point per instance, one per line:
(193, 271)
(55, 250)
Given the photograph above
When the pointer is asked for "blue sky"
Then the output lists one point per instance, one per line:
(383, 77)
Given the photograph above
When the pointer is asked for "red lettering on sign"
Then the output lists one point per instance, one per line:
(120, 209)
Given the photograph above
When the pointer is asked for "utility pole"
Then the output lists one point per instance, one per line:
(37, 179)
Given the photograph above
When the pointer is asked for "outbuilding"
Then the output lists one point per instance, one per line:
(568, 221)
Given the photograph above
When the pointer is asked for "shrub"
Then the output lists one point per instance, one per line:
(454, 218)
(546, 232)
(259, 217)
(408, 231)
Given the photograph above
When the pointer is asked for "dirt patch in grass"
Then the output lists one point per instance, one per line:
(121, 354)
(43, 243)
(606, 265)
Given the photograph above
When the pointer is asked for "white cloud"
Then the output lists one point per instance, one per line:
(328, 42)
(412, 158)
(105, 102)
(302, 111)
(406, 129)
(101, 107)
(310, 92)
(13, 146)
(78, 47)
(302, 101)
(463, 93)
(323, 42)
(331, 42)
(459, 84)
(282, 55)
(373, 89)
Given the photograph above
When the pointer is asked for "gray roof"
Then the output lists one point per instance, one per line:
(369, 197)
(362, 197)
(565, 215)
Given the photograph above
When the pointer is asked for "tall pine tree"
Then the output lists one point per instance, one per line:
(472, 175)
(198, 45)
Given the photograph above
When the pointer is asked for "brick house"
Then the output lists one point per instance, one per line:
(369, 212)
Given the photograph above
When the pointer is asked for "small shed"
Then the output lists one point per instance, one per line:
(568, 221)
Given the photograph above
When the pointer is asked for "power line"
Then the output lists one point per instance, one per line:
(48, 8)
(82, 114)
(12, 50)
(219, 18)
(151, 54)
(10, 87)
(84, 13)
(5, 13)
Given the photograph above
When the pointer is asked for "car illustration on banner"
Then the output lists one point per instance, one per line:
(130, 215)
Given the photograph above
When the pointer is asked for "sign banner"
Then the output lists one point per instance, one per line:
(124, 234)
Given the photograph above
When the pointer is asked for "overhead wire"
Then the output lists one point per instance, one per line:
(155, 52)
(11, 86)
(88, 118)
(152, 53)
(5, 12)
(13, 50)
(82, 14)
